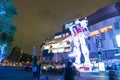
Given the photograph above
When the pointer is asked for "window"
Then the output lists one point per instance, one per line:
(114, 43)
(103, 36)
(89, 47)
(111, 34)
(116, 25)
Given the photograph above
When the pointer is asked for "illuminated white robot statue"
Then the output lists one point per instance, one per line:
(79, 32)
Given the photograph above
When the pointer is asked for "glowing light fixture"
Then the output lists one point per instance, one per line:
(2, 47)
(118, 40)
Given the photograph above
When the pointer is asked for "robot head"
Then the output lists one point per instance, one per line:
(84, 23)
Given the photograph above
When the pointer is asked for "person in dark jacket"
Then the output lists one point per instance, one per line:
(69, 72)
(39, 71)
(112, 75)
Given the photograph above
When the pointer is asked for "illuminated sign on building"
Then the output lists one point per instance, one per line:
(69, 24)
(106, 29)
(61, 35)
(102, 30)
(58, 36)
(93, 33)
(59, 47)
(101, 66)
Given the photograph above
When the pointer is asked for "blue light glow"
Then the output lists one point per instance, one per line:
(72, 55)
(2, 52)
(118, 40)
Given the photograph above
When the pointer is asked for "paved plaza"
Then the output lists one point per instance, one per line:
(18, 73)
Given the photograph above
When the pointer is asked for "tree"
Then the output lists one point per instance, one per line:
(26, 57)
(7, 29)
(15, 54)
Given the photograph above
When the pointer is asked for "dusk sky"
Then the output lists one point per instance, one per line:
(38, 19)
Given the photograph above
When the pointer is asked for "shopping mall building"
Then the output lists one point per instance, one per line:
(104, 27)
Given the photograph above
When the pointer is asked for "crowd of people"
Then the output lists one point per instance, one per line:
(69, 71)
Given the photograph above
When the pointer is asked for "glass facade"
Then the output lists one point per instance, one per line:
(108, 37)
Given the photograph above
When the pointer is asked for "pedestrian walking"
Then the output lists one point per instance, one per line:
(112, 75)
(34, 70)
(39, 71)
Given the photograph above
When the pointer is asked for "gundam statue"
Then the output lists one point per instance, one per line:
(79, 32)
